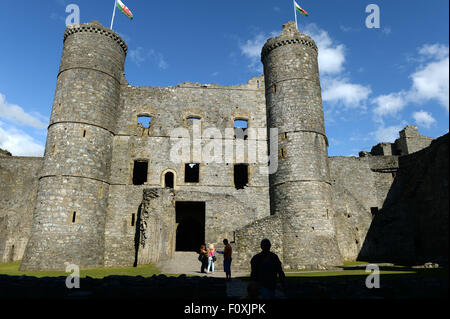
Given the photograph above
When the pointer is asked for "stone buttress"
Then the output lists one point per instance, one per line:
(70, 212)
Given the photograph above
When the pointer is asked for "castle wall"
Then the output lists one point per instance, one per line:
(18, 188)
(358, 184)
(226, 207)
(413, 223)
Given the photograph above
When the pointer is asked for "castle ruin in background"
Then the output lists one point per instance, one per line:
(106, 194)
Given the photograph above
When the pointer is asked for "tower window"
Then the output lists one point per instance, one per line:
(169, 180)
(145, 121)
(84, 133)
(240, 176)
(140, 172)
(374, 211)
(133, 220)
(74, 217)
(241, 129)
(192, 173)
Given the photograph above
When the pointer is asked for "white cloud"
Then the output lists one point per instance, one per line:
(390, 104)
(331, 55)
(429, 82)
(432, 82)
(19, 143)
(251, 49)
(424, 119)
(17, 115)
(434, 51)
(341, 91)
(139, 56)
(388, 134)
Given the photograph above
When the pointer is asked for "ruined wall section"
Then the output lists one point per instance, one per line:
(412, 226)
(358, 186)
(70, 215)
(18, 189)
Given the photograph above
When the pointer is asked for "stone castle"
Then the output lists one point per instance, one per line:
(106, 193)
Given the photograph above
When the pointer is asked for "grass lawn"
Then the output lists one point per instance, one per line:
(144, 271)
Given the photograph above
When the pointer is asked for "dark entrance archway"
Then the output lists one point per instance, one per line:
(190, 217)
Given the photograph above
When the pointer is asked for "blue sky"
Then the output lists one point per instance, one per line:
(374, 81)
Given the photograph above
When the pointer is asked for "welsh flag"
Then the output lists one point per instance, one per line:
(299, 9)
(124, 9)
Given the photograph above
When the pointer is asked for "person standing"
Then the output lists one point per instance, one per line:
(265, 268)
(211, 258)
(228, 251)
(203, 258)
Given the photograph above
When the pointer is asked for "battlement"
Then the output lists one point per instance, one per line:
(96, 27)
(289, 35)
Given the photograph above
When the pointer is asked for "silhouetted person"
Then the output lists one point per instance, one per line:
(266, 266)
(203, 258)
(228, 251)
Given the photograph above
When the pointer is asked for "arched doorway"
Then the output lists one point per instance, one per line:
(190, 217)
(169, 180)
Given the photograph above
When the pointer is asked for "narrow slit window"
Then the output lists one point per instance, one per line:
(74, 217)
(241, 129)
(84, 133)
(240, 176)
(140, 172)
(374, 211)
(133, 220)
(145, 121)
(192, 173)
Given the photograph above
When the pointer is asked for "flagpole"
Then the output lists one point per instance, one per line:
(114, 13)
(295, 13)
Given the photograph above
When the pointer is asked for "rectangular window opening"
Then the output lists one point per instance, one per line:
(241, 129)
(74, 217)
(192, 173)
(140, 172)
(133, 219)
(145, 121)
(240, 176)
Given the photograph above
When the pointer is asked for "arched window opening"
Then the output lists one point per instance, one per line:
(169, 180)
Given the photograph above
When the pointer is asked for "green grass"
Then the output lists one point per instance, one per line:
(144, 271)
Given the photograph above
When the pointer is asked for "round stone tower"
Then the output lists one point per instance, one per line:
(70, 214)
(301, 188)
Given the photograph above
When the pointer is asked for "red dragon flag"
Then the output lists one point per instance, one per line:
(300, 10)
(124, 9)
(119, 4)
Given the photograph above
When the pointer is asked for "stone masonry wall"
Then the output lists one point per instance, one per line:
(18, 189)
(358, 184)
(412, 226)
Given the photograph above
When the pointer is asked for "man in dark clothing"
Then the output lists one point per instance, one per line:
(265, 268)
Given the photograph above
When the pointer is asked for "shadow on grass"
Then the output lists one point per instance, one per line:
(146, 282)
